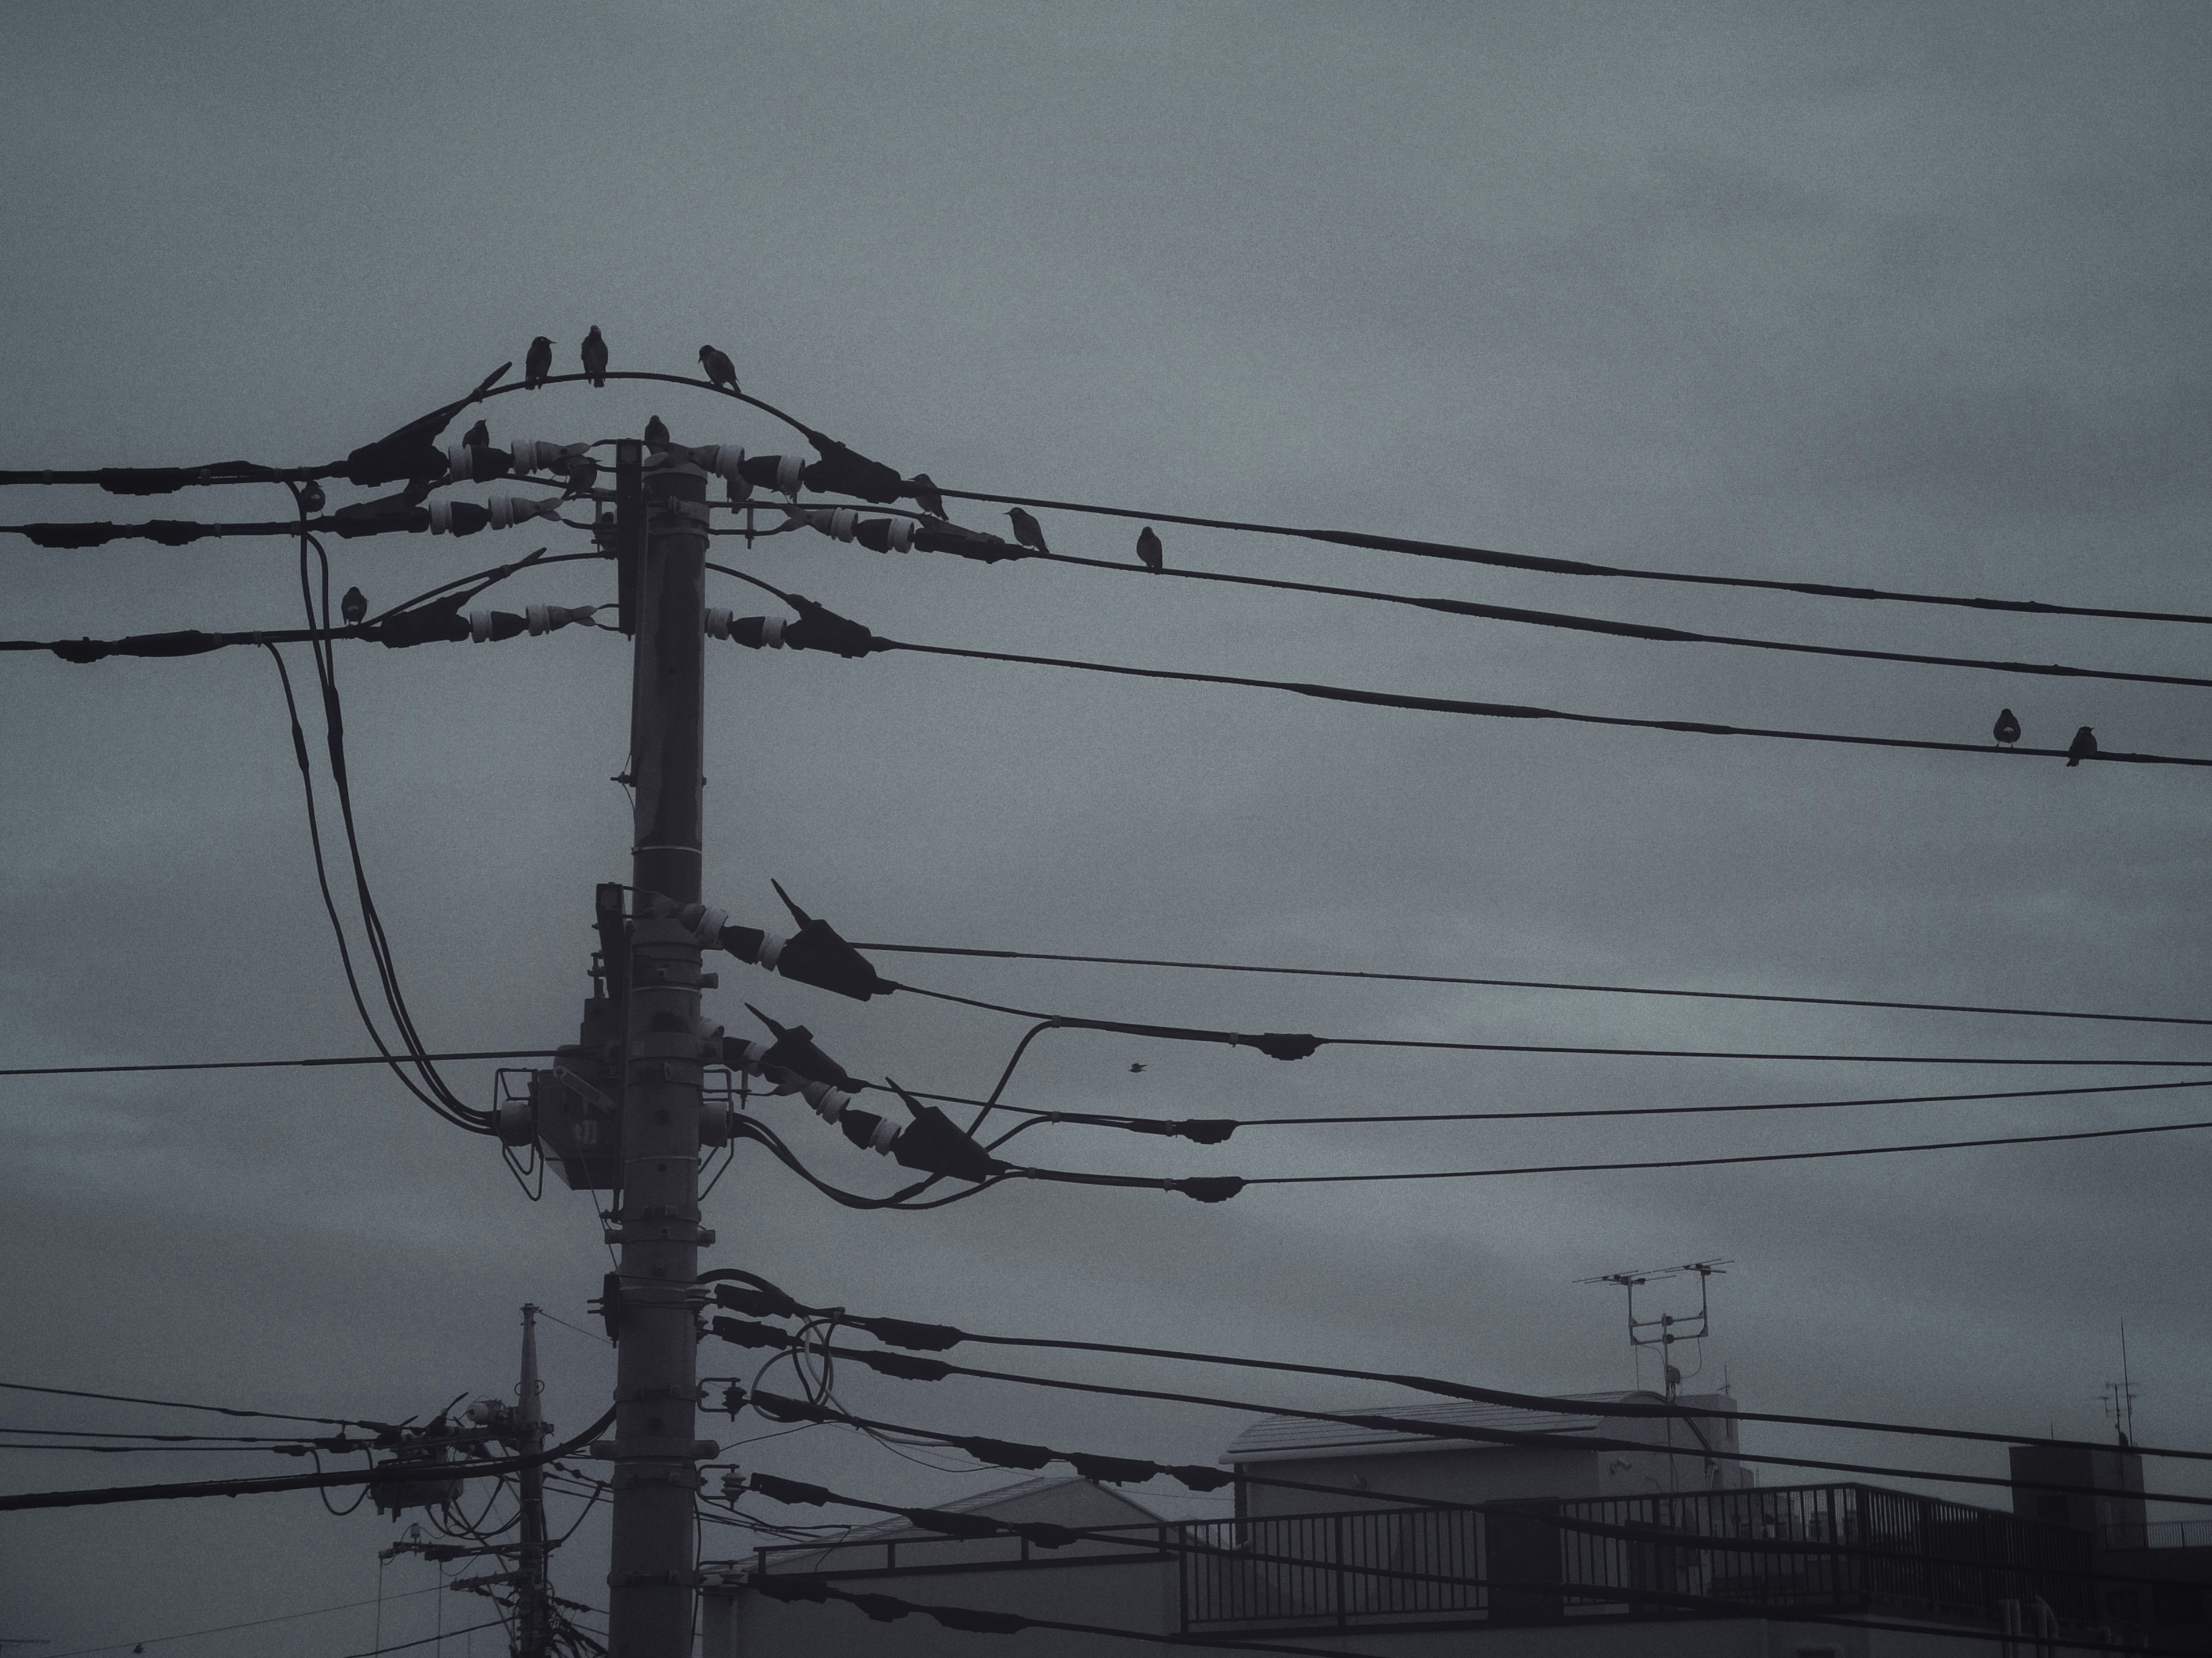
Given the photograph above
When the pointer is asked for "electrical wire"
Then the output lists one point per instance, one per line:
(264, 1064)
(226, 1628)
(760, 1296)
(906, 1367)
(179, 1405)
(1523, 711)
(1530, 984)
(1455, 553)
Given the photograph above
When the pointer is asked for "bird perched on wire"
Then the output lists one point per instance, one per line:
(923, 489)
(2083, 747)
(1149, 549)
(353, 606)
(2007, 729)
(656, 433)
(1027, 530)
(583, 473)
(594, 354)
(720, 371)
(477, 436)
(539, 363)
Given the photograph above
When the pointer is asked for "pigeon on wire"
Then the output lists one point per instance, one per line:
(656, 433)
(720, 371)
(2083, 746)
(477, 436)
(1027, 530)
(2007, 729)
(594, 354)
(924, 490)
(583, 473)
(539, 363)
(1149, 549)
(352, 607)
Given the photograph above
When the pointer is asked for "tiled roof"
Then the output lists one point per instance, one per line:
(1277, 1436)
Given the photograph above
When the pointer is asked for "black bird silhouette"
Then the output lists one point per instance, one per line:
(2007, 729)
(539, 363)
(1027, 530)
(352, 607)
(2083, 745)
(1136, 1066)
(656, 433)
(583, 473)
(720, 371)
(1149, 549)
(477, 436)
(924, 491)
(594, 354)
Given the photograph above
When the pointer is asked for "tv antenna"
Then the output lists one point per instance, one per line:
(1664, 1331)
(2120, 1397)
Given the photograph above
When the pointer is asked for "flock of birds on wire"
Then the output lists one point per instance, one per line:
(538, 366)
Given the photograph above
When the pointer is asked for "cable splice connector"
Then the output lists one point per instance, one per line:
(816, 955)
(465, 517)
(817, 627)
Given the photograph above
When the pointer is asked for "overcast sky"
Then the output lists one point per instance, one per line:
(1904, 295)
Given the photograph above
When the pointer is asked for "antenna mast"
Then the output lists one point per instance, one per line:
(1664, 1331)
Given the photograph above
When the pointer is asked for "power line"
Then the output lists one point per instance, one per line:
(264, 1064)
(754, 1295)
(1456, 553)
(1525, 984)
(179, 1405)
(225, 1629)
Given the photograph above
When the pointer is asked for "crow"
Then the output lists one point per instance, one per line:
(1027, 530)
(477, 436)
(595, 352)
(720, 371)
(923, 489)
(352, 607)
(1148, 549)
(2083, 745)
(2007, 729)
(538, 364)
(656, 433)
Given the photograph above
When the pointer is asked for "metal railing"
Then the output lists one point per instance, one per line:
(1832, 1547)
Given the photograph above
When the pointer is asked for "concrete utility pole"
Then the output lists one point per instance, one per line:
(533, 1621)
(652, 1585)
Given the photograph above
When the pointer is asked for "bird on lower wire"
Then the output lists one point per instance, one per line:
(539, 363)
(2007, 729)
(583, 473)
(477, 436)
(1027, 530)
(923, 489)
(594, 354)
(352, 607)
(720, 371)
(2083, 747)
(656, 433)
(1149, 549)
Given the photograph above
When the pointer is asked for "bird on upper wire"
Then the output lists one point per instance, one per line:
(720, 371)
(539, 363)
(353, 606)
(2083, 747)
(477, 436)
(1027, 530)
(656, 433)
(594, 354)
(923, 489)
(2007, 729)
(1149, 549)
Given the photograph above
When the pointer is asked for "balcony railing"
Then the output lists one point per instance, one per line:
(1826, 1547)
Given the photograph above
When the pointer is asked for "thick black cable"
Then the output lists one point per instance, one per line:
(1528, 984)
(902, 1199)
(389, 1473)
(906, 1367)
(1246, 1039)
(1522, 711)
(934, 1338)
(1454, 553)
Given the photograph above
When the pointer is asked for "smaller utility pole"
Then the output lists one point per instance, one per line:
(533, 1610)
